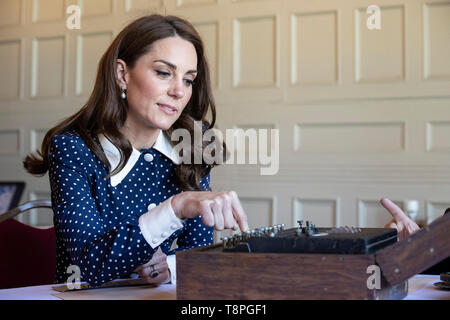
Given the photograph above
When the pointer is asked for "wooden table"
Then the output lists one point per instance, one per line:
(420, 288)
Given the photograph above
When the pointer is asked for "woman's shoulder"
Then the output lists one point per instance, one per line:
(67, 141)
(69, 137)
(70, 149)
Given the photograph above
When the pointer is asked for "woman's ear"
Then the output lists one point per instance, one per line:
(121, 73)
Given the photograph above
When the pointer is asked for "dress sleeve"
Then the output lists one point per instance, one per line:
(103, 253)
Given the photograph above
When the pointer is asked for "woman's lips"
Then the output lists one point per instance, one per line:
(168, 109)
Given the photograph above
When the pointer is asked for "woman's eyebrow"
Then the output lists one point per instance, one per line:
(174, 67)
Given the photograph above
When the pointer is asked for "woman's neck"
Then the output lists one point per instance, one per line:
(140, 138)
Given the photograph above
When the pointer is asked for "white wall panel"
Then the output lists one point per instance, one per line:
(255, 61)
(237, 1)
(36, 138)
(380, 54)
(372, 215)
(9, 142)
(188, 3)
(48, 65)
(210, 35)
(314, 48)
(10, 68)
(90, 48)
(349, 137)
(438, 136)
(10, 12)
(436, 40)
(265, 216)
(48, 10)
(95, 8)
(435, 209)
(142, 5)
(321, 212)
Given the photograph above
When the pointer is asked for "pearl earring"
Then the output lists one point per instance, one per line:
(123, 95)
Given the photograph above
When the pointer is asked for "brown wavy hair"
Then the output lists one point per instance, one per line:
(105, 112)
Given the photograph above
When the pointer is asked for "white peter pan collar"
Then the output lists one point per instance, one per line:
(162, 144)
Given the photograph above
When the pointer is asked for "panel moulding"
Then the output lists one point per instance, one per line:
(255, 58)
(10, 141)
(11, 67)
(436, 44)
(344, 137)
(326, 22)
(332, 216)
(48, 68)
(438, 136)
(368, 67)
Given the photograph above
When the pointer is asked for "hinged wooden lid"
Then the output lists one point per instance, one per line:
(417, 253)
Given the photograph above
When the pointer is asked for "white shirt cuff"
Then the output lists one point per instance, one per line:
(159, 223)
(172, 268)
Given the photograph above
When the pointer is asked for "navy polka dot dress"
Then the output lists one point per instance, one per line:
(96, 223)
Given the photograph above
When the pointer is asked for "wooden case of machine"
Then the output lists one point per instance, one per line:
(209, 273)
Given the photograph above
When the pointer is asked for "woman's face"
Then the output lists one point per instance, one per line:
(159, 85)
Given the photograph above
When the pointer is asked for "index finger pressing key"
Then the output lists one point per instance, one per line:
(239, 213)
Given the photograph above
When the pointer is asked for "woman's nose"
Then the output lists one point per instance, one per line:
(176, 89)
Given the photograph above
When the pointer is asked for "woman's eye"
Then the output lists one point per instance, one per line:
(162, 73)
(189, 82)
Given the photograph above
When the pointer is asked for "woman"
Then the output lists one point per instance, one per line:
(120, 195)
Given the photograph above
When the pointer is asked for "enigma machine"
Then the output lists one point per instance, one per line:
(307, 238)
(306, 262)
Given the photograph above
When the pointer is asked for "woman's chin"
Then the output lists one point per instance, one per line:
(164, 125)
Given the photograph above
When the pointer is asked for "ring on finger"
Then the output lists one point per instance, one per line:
(154, 272)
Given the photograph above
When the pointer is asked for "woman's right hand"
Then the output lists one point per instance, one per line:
(156, 271)
(400, 221)
(221, 210)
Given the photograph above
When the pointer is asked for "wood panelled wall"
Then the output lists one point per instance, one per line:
(361, 113)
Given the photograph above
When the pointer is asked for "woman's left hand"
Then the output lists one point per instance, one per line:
(156, 271)
(404, 225)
